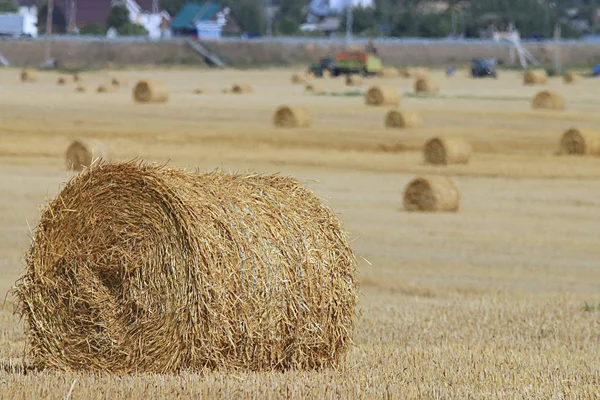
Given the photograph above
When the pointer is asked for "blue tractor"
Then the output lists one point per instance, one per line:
(483, 67)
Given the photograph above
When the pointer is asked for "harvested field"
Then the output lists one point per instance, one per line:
(497, 300)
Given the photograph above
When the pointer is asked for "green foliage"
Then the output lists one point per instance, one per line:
(93, 29)
(8, 6)
(118, 17)
(250, 14)
(130, 29)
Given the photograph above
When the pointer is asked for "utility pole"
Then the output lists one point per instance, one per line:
(268, 6)
(49, 19)
(349, 17)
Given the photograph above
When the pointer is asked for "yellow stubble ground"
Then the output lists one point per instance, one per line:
(484, 303)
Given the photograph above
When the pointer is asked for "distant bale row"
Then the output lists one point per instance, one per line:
(447, 150)
(571, 77)
(137, 268)
(291, 117)
(426, 85)
(81, 154)
(575, 141)
(549, 100)
(382, 95)
(432, 194)
(535, 77)
(150, 92)
(403, 119)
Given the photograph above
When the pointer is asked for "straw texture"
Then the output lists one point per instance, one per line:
(447, 150)
(143, 268)
(432, 194)
(575, 141)
(291, 117)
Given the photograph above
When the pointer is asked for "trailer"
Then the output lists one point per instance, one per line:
(17, 25)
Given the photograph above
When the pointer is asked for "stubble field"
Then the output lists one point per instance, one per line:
(488, 302)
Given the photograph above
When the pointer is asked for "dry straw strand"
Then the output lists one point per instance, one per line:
(447, 150)
(426, 85)
(576, 141)
(403, 119)
(381, 96)
(549, 100)
(81, 154)
(535, 77)
(150, 92)
(431, 194)
(142, 268)
(291, 117)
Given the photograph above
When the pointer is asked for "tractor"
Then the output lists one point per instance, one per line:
(483, 67)
(346, 63)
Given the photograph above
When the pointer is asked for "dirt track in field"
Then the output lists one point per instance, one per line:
(484, 302)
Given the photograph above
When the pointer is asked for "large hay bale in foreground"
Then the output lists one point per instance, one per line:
(354, 80)
(29, 75)
(141, 268)
(291, 117)
(575, 141)
(426, 85)
(403, 119)
(571, 77)
(81, 154)
(241, 88)
(382, 96)
(535, 77)
(436, 193)
(447, 150)
(549, 100)
(150, 92)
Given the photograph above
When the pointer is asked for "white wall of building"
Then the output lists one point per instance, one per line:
(339, 5)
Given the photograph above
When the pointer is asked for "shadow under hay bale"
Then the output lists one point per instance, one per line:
(299, 79)
(354, 80)
(106, 89)
(535, 77)
(291, 117)
(577, 142)
(432, 194)
(571, 77)
(447, 150)
(315, 89)
(29, 75)
(81, 154)
(150, 92)
(403, 119)
(242, 89)
(426, 85)
(548, 100)
(173, 270)
(382, 96)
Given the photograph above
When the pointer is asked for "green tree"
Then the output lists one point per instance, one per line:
(118, 17)
(8, 6)
(93, 29)
(130, 29)
(363, 21)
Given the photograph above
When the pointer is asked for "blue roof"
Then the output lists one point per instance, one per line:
(194, 12)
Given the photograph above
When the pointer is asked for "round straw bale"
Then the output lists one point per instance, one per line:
(297, 78)
(82, 89)
(240, 89)
(447, 150)
(381, 96)
(571, 77)
(291, 117)
(29, 75)
(547, 99)
(80, 154)
(106, 89)
(354, 80)
(61, 81)
(575, 141)
(435, 193)
(403, 119)
(388, 73)
(535, 77)
(316, 89)
(150, 92)
(426, 85)
(141, 268)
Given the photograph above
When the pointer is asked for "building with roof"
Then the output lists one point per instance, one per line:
(208, 20)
